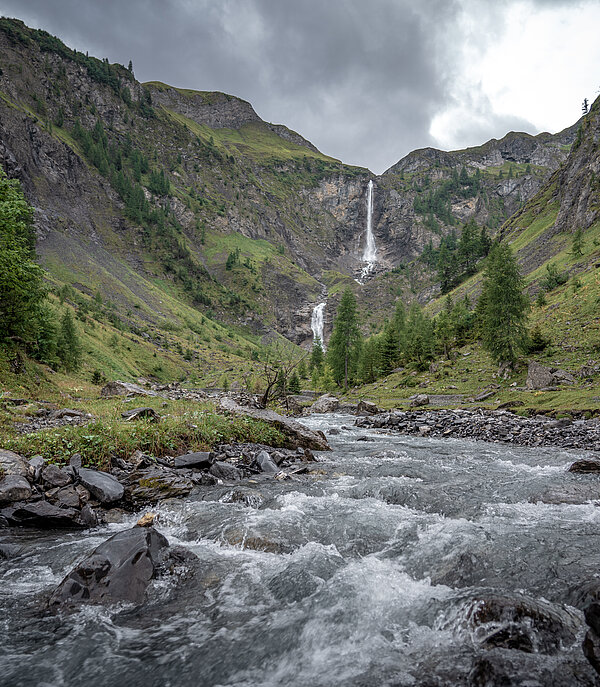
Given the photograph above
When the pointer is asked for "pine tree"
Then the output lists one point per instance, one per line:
(294, 383)
(420, 336)
(316, 356)
(21, 287)
(578, 243)
(368, 363)
(345, 341)
(503, 306)
(68, 348)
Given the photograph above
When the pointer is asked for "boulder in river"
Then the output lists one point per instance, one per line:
(266, 463)
(120, 569)
(419, 400)
(591, 643)
(586, 466)
(45, 515)
(296, 433)
(101, 485)
(325, 404)
(367, 408)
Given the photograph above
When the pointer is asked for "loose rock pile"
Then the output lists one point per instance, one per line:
(39, 494)
(494, 426)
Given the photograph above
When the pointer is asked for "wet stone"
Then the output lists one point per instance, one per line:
(101, 485)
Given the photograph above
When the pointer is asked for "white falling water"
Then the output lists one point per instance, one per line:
(370, 252)
(316, 323)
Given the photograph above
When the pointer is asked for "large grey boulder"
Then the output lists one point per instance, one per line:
(101, 485)
(325, 404)
(296, 433)
(45, 515)
(367, 408)
(13, 464)
(266, 463)
(201, 460)
(541, 377)
(226, 471)
(419, 400)
(120, 569)
(14, 488)
(146, 486)
(54, 476)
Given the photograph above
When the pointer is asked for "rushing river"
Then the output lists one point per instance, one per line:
(369, 573)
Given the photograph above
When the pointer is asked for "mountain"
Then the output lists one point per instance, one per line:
(192, 223)
(429, 192)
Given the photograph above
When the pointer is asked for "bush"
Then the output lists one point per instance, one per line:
(553, 278)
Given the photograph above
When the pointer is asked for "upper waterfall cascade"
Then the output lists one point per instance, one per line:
(370, 252)
(316, 323)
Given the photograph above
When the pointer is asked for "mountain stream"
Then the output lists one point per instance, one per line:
(401, 561)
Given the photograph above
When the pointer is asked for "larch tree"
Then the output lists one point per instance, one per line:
(345, 341)
(503, 306)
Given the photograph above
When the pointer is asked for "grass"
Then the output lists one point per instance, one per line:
(189, 427)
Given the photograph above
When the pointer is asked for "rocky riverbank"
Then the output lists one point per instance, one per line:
(38, 494)
(490, 425)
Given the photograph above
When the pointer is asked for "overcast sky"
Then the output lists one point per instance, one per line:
(367, 81)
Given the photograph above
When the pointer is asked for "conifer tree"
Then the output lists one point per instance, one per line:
(21, 287)
(68, 348)
(294, 383)
(316, 356)
(503, 306)
(578, 243)
(345, 341)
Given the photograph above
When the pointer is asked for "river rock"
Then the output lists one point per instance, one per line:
(54, 476)
(141, 413)
(366, 408)
(13, 464)
(325, 404)
(45, 515)
(148, 486)
(101, 485)
(296, 433)
(120, 569)
(201, 460)
(14, 488)
(585, 466)
(591, 643)
(517, 622)
(226, 471)
(65, 497)
(419, 400)
(266, 463)
(36, 464)
(118, 388)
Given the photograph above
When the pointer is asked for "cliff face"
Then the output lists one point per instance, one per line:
(155, 196)
(233, 183)
(502, 175)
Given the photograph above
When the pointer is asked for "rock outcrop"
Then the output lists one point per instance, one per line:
(296, 433)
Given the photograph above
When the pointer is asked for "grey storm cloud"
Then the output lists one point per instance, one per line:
(361, 80)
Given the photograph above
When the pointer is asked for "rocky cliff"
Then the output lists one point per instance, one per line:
(174, 203)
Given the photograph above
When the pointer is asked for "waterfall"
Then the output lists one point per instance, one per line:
(316, 323)
(370, 252)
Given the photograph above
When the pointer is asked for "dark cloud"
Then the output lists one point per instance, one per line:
(362, 80)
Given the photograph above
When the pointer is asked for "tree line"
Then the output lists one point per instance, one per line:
(26, 317)
(413, 337)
